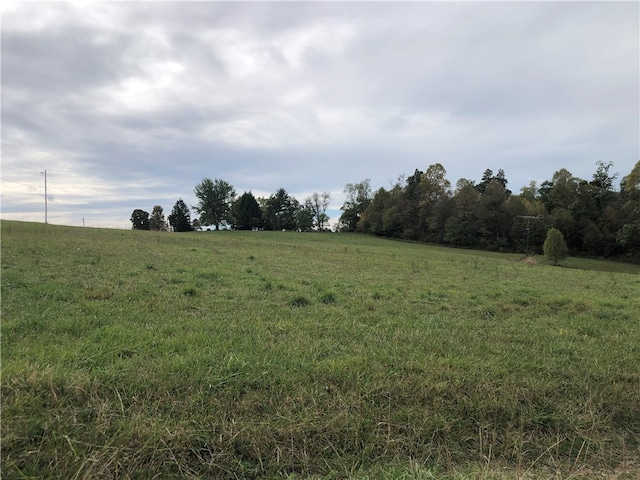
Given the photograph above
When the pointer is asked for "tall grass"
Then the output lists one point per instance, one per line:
(267, 354)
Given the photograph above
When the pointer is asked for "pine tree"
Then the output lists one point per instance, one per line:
(246, 212)
(156, 221)
(555, 248)
(180, 218)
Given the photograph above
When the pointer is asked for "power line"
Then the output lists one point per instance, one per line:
(45, 195)
(17, 183)
(528, 227)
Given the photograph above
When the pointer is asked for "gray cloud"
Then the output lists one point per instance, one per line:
(128, 105)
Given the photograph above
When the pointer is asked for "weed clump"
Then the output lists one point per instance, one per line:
(328, 297)
(300, 301)
(189, 292)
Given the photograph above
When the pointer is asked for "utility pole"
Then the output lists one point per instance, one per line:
(45, 196)
(528, 217)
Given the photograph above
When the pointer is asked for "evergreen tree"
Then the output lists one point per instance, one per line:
(180, 218)
(280, 211)
(157, 221)
(246, 212)
(555, 248)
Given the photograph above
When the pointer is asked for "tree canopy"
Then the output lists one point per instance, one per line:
(358, 199)
(555, 248)
(317, 205)
(157, 221)
(215, 198)
(592, 217)
(246, 211)
(140, 219)
(180, 218)
(280, 211)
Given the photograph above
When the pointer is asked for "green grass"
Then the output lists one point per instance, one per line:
(130, 354)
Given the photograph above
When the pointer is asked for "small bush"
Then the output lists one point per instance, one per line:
(555, 248)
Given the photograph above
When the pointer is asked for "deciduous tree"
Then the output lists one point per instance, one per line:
(434, 202)
(214, 202)
(358, 199)
(305, 218)
(140, 219)
(318, 203)
(629, 234)
(461, 227)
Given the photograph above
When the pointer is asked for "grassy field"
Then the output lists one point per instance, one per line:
(130, 354)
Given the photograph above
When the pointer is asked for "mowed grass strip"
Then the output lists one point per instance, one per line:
(130, 354)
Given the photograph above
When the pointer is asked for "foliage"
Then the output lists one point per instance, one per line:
(594, 218)
(317, 205)
(157, 221)
(603, 181)
(488, 177)
(591, 215)
(246, 212)
(555, 248)
(140, 220)
(280, 211)
(630, 184)
(358, 199)
(304, 217)
(180, 218)
(629, 237)
(215, 198)
(129, 354)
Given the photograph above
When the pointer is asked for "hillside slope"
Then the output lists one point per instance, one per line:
(129, 354)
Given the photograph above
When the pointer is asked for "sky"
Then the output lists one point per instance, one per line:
(128, 105)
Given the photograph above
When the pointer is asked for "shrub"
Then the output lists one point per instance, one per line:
(555, 248)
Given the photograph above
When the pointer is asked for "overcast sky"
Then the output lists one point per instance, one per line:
(130, 104)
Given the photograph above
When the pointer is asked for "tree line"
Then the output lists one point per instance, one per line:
(219, 207)
(594, 218)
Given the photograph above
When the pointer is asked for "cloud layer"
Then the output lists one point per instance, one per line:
(128, 105)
